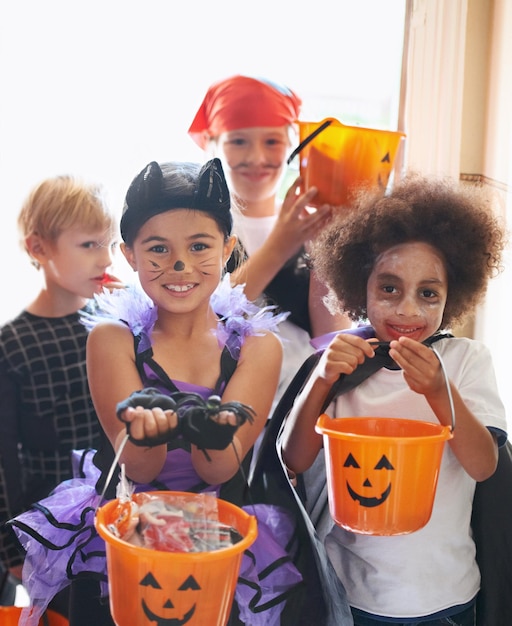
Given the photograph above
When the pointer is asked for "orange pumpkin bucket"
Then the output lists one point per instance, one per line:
(337, 158)
(149, 586)
(381, 472)
(10, 615)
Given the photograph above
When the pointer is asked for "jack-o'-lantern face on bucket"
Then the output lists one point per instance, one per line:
(175, 587)
(373, 485)
(162, 607)
(381, 471)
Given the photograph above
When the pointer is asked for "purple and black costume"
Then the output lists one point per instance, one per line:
(58, 533)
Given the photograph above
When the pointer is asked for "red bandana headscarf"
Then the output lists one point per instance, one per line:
(243, 102)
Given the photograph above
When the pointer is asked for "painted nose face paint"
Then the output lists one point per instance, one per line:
(179, 266)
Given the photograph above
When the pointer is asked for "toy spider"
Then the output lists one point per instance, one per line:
(196, 417)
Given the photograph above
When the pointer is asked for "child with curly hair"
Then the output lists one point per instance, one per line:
(411, 264)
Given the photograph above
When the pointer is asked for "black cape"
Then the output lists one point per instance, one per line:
(321, 599)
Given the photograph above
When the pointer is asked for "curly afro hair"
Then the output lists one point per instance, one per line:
(455, 219)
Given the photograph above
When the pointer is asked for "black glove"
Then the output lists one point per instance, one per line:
(199, 426)
(201, 429)
(149, 398)
(196, 417)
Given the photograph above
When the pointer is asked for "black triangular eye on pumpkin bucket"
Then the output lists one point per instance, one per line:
(384, 464)
(150, 581)
(350, 461)
(190, 583)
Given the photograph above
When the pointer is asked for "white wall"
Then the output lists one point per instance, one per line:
(459, 123)
(494, 319)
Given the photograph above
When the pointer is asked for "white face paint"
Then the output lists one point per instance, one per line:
(407, 291)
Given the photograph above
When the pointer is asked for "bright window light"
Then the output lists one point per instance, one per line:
(99, 88)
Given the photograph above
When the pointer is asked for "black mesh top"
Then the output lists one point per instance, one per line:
(45, 412)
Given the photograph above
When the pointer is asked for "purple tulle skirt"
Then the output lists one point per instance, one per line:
(62, 545)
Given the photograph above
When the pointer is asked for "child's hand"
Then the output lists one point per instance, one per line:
(421, 367)
(153, 418)
(150, 427)
(296, 225)
(342, 356)
(149, 416)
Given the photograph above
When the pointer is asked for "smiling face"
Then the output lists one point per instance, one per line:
(179, 255)
(362, 491)
(254, 160)
(162, 613)
(407, 291)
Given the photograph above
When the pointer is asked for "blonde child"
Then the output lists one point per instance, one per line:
(46, 410)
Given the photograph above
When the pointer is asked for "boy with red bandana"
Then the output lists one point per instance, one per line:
(248, 123)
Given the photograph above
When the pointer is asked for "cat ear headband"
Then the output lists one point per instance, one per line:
(147, 196)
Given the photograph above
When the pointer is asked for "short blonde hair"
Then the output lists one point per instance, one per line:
(60, 203)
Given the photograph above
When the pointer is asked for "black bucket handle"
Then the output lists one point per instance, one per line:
(309, 138)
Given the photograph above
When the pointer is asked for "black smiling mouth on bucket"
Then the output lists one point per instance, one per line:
(366, 501)
(164, 621)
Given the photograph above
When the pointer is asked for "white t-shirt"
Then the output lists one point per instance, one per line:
(253, 232)
(433, 568)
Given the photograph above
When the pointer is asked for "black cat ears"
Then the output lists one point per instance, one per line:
(157, 189)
